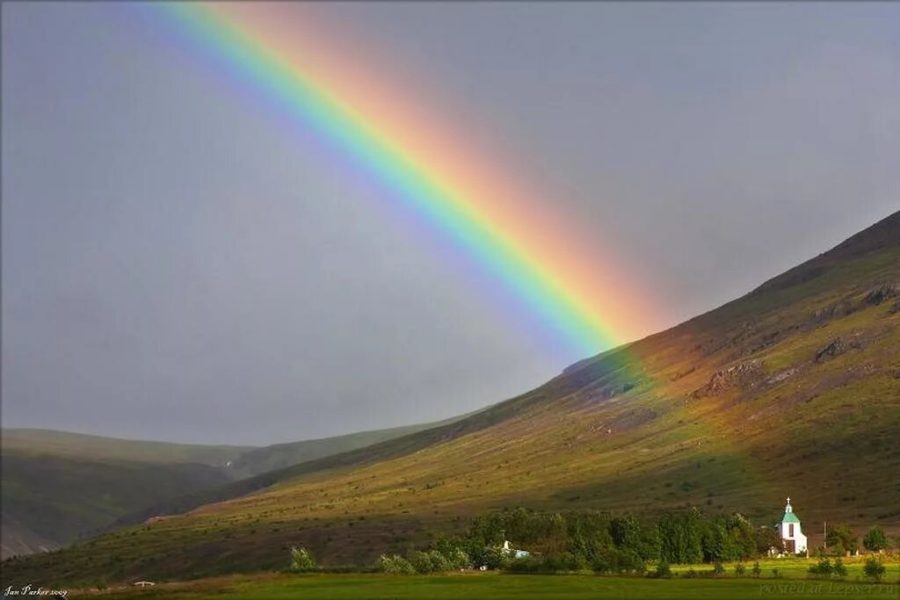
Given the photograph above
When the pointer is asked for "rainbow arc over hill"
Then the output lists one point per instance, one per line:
(288, 55)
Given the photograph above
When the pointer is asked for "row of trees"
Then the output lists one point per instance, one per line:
(600, 541)
(598, 538)
(840, 539)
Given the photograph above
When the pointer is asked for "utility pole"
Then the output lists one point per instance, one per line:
(824, 535)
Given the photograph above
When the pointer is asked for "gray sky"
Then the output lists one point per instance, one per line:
(179, 266)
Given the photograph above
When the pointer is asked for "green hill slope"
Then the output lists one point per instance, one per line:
(54, 499)
(279, 456)
(793, 389)
(64, 443)
(59, 486)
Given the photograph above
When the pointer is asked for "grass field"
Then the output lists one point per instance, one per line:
(502, 586)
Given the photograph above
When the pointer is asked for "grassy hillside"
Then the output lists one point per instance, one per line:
(279, 456)
(50, 500)
(59, 486)
(793, 389)
(64, 443)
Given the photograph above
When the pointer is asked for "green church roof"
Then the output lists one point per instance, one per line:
(790, 517)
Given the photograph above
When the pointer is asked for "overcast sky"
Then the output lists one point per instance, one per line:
(177, 266)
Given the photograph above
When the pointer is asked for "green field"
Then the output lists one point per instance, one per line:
(503, 586)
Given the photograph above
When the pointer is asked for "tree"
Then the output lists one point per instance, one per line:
(625, 532)
(713, 542)
(680, 537)
(873, 569)
(742, 537)
(766, 537)
(842, 539)
(630, 535)
(875, 539)
(302, 559)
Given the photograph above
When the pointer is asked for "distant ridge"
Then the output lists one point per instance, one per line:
(883, 235)
(60, 486)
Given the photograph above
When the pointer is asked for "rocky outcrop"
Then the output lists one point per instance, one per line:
(881, 293)
(834, 348)
(744, 375)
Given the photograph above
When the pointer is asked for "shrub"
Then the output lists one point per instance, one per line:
(756, 569)
(663, 570)
(421, 562)
(439, 562)
(873, 569)
(302, 559)
(430, 562)
(739, 569)
(839, 569)
(492, 558)
(457, 558)
(554, 563)
(718, 569)
(564, 561)
(525, 565)
(631, 562)
(775, 573)
(395, 565)
(823, 568)
(612, 560)
(875, 539)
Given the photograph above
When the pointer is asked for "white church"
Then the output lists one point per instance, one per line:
(792, 538)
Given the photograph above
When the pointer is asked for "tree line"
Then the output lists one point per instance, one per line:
(604, 542)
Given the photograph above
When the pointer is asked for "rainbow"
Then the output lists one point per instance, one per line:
(499, 223)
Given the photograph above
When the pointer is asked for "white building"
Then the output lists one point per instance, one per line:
(792, 537)
(506, 550)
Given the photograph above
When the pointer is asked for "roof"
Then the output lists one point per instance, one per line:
(790, 517)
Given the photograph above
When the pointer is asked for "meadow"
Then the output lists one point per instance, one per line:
(792, 582)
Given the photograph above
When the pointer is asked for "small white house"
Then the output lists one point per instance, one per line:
(792, 537)
(506, 550)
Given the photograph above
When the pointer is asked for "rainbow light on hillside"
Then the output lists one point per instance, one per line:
(421, 161)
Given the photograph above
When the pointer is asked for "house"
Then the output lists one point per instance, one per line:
(792, 538)
(507, 551)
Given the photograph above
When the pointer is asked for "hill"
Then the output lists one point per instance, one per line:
(60, 486)
(279, 456)
(790, 390)
(65, 443)
(49, 501)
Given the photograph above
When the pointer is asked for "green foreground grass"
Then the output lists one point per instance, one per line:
(793, 583)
